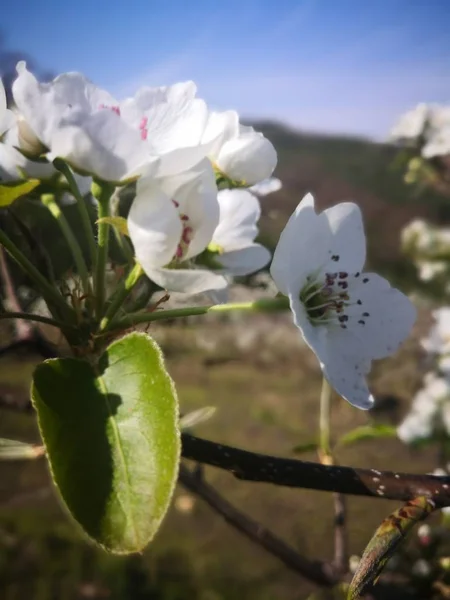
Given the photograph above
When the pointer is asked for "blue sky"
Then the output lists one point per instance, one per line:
(346, 66)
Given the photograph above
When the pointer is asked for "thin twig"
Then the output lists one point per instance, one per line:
(251, 466)
(316, 571)
(340, 561)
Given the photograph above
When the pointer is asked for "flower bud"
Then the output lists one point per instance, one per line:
(28, 141)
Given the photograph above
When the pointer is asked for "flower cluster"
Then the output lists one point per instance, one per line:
(429, 248)
(177, 150)
(426, 127)
(429, 417)
(195, 177)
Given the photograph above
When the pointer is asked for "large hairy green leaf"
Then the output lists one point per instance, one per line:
(112, 439)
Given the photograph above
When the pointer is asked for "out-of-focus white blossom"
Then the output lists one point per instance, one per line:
(430, 411)
(438, 144)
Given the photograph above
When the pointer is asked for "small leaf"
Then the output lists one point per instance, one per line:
(112, 439)
(368, 432)
(11, 191)
(196, 417)
(385, 541)
(118, 222)
(14, 450)
(306, 447)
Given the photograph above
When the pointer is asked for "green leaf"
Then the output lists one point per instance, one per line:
(14, 450)
(306, 447)
(13, 190)
(368, 432)
(112, 439)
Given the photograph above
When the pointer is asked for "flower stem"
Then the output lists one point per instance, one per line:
(64, 168)
(324, 422)
(52, 205)
(263, 305)
(51, 295)
(121, 295)
(33, 317)
(102, 191)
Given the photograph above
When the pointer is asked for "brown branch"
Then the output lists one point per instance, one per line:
(251, 466)
(316, 571)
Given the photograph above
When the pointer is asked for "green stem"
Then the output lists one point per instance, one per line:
(324, 420)
(86, 223)
(264, 305)
(33, 317)
(52, 205)
(121, 295)
(102, 191)
(50, 294)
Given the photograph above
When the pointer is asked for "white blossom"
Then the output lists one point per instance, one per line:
(348, 318)
(430, 411)
(172, 220)
(233, 243)
(438, 144)
(245, 155)
(410, 125)
(6, 115)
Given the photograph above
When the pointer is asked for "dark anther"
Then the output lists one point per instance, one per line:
(362, 322)
(357, 274)
(343, 284)
(343, 275)
(343, 318)
(359, 302)
(335, 257)
(366, 314)
(365, 280)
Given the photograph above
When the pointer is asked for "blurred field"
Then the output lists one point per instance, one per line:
(265, 385)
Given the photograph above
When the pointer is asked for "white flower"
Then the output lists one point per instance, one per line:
(411, 125)
(266, 187)
(75, 120)
(438, 144)
(430, 411)
(233, 240)
(6, 115)
(429, 270)
(245, 156)
(346, 317)
(172, 220)
(438, 340)
(174, 125)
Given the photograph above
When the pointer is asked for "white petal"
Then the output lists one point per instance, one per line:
(13, 164)
(250, 158)
(102, 145)
(197, 199)
(188, 281)
(267, 186)
(302, 248)
(348, 241)
(246, 260)
(154, 225)
(391, 316)
(239, 214)
(346, 369)
(6, 116)
(220, 127)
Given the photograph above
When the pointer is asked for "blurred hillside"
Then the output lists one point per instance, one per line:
(337, 169)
